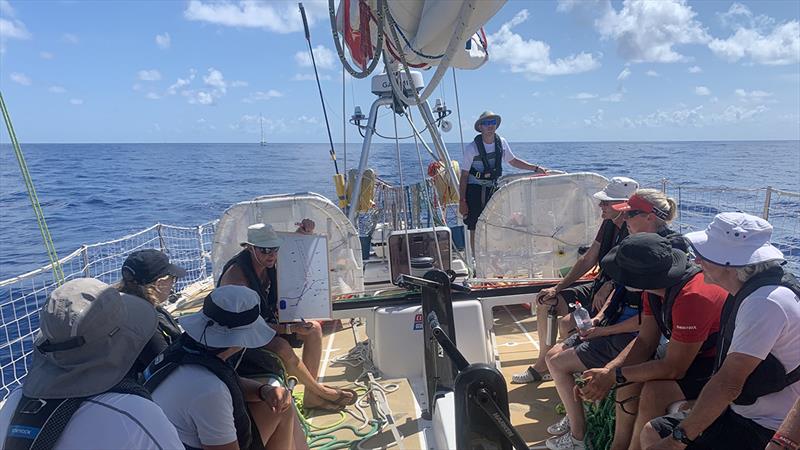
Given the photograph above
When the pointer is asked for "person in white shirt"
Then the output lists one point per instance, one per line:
(196, 383)
(80, 392)
(757, 371)
(482, 166)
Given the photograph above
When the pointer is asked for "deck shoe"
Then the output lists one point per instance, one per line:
(560, 427)
(529, 376)
(565, 442)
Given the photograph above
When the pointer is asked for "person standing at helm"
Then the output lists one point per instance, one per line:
(482, 167)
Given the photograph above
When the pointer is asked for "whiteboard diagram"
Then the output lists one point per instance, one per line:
(303, 278)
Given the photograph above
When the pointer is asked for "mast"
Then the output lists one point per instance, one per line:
(263, 142)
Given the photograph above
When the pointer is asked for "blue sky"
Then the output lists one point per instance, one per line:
(196, 71)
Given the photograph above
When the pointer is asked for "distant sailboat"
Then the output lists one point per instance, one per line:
(263, 142)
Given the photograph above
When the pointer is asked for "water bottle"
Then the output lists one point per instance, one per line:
(552, 326)
(582, 318)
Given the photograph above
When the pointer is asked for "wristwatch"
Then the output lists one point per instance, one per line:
(620, 377)
(680, 435)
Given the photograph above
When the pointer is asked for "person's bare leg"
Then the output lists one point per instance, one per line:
(655, 398)
(312, 348)
(623, 426)
(300, 442)
(315, 392)
(648, 437)
(272, 426)
(562, 364)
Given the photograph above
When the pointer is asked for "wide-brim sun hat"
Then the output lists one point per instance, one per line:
(645, 261)
(617, 189)
(262, 235)
(735, 239)
(230, 318)
(90, 336)
(487, 115)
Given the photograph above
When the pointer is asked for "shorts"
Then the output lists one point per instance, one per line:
(476, 201)
(600, 351)
(696, 376)
(729, 431)
(292, 339)
(581, 293)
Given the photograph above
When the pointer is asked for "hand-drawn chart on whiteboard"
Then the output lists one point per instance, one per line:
(303, 278)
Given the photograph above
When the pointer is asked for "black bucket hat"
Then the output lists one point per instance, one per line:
(645, 261)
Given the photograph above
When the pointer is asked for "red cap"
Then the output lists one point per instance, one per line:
(640, 204)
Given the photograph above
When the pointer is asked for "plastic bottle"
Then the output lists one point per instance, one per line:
(552, 325)
(582, 318)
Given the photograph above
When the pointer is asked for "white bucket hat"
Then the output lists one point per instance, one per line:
(231, 317)
(735, 239)
(262, 235)
(487, 115)
(619, 188)
(89, 338)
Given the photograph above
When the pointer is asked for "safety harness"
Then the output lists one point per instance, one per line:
(38, 423)
(770, 375)
(269, 304)
(491, 172)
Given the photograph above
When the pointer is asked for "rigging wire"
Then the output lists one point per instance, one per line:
(402, 194)
(58, 272)
(319, 86)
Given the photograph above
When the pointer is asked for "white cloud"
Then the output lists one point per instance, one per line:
(324, 57)
(626, 72)
(13, 29)
(740, 16)
(702, 90)
(694, 69)
(262, 96)
(149, 75)
(310, 77)
(695, 117)
(163, 41)
(215, 80)
(46, 55)
(252, 124)
(752, 94)
(652, 73)
(70, 38)
(239, 83)
(76, 101)
(6, 9)
(181, 83)
(57, 89)
(616, 97)
(199, 97)
(648, 31)
(152, 96)
(20, 78)
(276, 16)
(780, 46)
(532, 57)
(530, 120)
(582, 96)
(733, 114)
(595, 119)
(307, 120)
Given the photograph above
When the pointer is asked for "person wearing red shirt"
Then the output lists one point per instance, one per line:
(678, 304)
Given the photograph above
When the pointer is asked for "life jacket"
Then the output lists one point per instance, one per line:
(662, 309)
(167, 325)
(186, 351)
(269, 309)
(491, 166)
(770, 375)
(39, 423)
(622, 297)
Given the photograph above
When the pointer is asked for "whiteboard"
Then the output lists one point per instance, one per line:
(303, 277)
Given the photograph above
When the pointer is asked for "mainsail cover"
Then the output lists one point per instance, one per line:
(534, 227)
(424, 28)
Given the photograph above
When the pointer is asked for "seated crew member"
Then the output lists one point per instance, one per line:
(482, 167)
(788, 435)
(614, 329)
(591, 295)
(80, 392)
(148, 274)
(676, 303)
(256, 267)
(757, 369)
(651, 211)
(195, 383)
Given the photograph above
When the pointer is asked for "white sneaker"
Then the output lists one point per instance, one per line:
(529, 376)
(565, 442)
(560, 427)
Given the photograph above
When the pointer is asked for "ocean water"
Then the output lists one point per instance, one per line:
(98, 192)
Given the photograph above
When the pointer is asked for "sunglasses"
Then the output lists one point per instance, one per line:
(267, 250)
(487, 123)
(634, 213)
